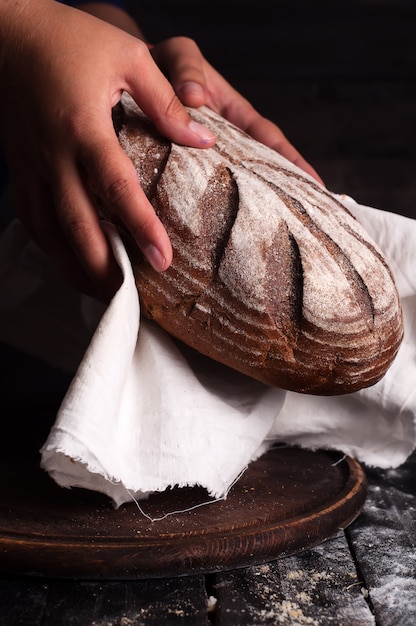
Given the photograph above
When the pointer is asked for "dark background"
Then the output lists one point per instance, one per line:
(337, 76)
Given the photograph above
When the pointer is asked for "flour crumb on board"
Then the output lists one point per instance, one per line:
(303, 597)
(287, 612)
(314, 578)
(211, 604)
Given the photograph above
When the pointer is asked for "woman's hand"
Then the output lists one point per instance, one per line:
(61, 73)
(197, 83)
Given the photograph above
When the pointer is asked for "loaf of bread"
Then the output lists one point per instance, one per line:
(271, 275)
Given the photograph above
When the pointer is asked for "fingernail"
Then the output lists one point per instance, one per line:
(155, 258)
(191, 89)
(204, 135)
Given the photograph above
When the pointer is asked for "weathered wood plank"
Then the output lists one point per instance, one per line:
(384, 542)
(317, 587)
(22, 601)
(136, 603)
(31, 602)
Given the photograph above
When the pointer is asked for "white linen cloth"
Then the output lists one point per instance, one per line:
(142, 415)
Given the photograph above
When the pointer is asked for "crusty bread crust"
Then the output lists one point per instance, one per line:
(271, 275)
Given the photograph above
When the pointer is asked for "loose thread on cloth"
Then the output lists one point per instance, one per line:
(340, 460)
(191, 508)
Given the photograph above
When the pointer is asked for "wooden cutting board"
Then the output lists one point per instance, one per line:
(288, 500)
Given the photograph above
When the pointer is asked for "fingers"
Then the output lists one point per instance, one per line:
(72, 153)
(77, 247)
(157, 98)
(115, 182)
(181, 60)
(78, 220)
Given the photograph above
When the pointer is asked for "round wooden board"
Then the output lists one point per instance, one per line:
(288, 500)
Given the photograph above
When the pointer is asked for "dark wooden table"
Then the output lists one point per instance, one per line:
(339, 78)
(365, 575)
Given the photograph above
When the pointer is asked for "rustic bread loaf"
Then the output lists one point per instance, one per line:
(271, 275)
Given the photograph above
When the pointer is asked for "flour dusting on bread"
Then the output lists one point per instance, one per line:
(271, 274)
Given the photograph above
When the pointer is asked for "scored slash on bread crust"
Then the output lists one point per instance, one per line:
(271, 275)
